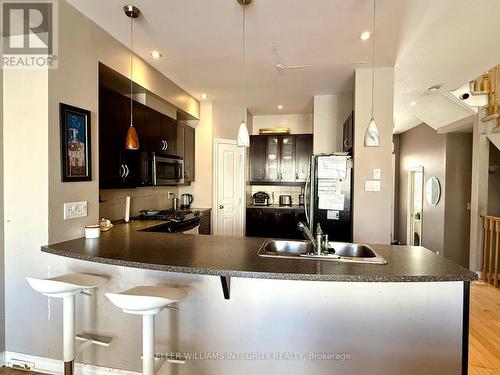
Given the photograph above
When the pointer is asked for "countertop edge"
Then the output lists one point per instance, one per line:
(472, 276)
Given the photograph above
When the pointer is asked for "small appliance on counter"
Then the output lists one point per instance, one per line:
(186, 200)
(285, 200)
(261, 198)
(175, 201)
(302, 199)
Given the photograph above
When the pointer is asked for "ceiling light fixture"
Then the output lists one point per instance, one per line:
(243, 139)
(372, 138)
(156, 54)
(131, 139)
(413, 104)
(280, 107)
(203, 96)
(434, 88)
(365, 35)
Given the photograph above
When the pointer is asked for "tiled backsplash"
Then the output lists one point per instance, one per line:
(151, 197)
(294, 191)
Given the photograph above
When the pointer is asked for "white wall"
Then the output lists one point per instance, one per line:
(330, 112)
(372, 210)
(34, 195)
(301, 123)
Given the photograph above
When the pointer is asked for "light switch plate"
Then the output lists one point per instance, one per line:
(372, 185)
(376, 174)
(73, 210)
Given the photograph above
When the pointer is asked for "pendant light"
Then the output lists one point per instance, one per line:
(372, 138)
(243, 136)
(131, 139)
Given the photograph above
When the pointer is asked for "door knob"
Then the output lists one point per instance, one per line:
(221, 206)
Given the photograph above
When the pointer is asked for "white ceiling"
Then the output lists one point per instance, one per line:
(443, 42)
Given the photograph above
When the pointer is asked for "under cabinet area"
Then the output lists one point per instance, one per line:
(157, 132)
(274, 222)
(280, 159)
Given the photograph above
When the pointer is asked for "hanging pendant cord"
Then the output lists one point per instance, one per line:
(131, 69)
(243, 61)
(373, 54)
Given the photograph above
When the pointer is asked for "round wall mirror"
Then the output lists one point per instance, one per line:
(432, 191)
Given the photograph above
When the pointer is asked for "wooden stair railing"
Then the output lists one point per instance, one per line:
(491, 240)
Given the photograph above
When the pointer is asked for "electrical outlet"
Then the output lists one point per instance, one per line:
(75, 209)
(376, 174)
(21, 365)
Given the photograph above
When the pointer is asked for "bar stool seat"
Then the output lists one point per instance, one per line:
(65, 285)
(146, 300)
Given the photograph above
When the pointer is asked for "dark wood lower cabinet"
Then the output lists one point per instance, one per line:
(205, 222)
(277, 223)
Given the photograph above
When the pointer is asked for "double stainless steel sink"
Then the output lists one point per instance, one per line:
(337, 251)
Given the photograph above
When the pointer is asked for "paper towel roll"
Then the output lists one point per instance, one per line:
(127, 208)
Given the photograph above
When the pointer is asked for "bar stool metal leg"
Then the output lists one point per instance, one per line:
(148, 343)
(69, 334)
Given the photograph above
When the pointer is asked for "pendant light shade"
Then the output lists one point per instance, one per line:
(243, 136)
(372, 138)
(131, 139)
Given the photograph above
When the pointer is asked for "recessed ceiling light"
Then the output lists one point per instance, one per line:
(434, 88)
(413, 104)
(280, 107)
(203, 96)
(156, 54)
(365, 35)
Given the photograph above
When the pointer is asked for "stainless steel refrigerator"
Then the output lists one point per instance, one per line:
(329, 195)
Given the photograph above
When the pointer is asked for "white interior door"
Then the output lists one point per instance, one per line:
(228, 188)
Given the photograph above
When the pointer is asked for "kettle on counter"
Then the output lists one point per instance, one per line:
(186, 200)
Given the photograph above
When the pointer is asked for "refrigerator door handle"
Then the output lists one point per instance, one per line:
(305, 193)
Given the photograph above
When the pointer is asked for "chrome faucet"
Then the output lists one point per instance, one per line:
(316, 243)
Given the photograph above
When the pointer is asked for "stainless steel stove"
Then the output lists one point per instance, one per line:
(175, 221)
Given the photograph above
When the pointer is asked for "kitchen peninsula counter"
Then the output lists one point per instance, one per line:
(127, 245)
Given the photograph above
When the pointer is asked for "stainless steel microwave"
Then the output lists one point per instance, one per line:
(167, 170)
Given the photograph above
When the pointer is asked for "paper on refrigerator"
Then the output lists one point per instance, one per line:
(332, 167)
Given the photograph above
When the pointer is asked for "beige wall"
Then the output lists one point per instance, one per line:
(226, 120)
(330, 112)
(423, 147)
(2, 263)
(448, 157)
(372, 210)
(34, 196)
(457, 197)
(494, 182)
(298, 123)
(201, 188)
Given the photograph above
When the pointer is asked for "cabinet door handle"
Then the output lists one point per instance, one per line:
(127, 171)
(166, 145)
(296, 175)
(122, 170)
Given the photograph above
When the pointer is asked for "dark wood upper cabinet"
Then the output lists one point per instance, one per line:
(185, 145)
(280, 159)
(303, 152)
(347, 134)
(121, 168)
(258, 154)
(189, 145)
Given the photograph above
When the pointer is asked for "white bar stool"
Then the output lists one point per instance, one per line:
(66, 287)
(147, 301)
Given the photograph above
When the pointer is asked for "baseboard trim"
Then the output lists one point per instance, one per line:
(55, 366)
(2, 359)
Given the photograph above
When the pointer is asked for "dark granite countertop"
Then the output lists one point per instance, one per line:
(126, 245)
